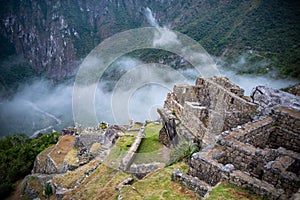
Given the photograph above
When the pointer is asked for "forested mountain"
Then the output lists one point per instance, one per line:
(53, 36)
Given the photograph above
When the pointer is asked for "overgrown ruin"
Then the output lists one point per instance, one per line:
(250, 142)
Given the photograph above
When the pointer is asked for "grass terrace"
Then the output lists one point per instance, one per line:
(119, 150)
(150, 149)
(158, 185)
(61, 149)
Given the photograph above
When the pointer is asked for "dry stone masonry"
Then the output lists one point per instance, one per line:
(259, 144)
(252, 142)
(209, 107)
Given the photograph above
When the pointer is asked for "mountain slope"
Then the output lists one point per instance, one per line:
(53, 36)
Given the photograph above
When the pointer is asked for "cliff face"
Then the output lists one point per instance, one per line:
(41, 34)
(55, 35)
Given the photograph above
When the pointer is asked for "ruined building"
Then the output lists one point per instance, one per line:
(252, 142)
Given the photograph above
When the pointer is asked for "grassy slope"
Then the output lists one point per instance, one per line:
(158, 185)
(150, 142)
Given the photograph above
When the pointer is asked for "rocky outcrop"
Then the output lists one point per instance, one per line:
(269, 99)
(33, 186)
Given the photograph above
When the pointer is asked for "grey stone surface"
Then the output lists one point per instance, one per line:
(206, 109)
(141, 170)
(268, 99)
(228, 167)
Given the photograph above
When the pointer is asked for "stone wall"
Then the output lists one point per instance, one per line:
(283, 138)
(280, 174)
(209, 107)
(282, 131)
(249, 158)
(245, 157)
(225, 83)
(208, 172)
(205, 168)
(259, 187)
(130, 154)
(87, 139)
(192, 183)
(195, 118)
(288, 119)
(141, 170)
(168, 133)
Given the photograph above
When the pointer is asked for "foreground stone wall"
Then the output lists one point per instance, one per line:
(205, 168)
(249, 157)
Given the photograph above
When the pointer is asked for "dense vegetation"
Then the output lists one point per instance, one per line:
(264, 33)
(17, 155)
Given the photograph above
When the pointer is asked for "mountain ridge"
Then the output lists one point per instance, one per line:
(54, 36)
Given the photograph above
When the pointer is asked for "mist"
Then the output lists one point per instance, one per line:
(249, 81)
(130, 89)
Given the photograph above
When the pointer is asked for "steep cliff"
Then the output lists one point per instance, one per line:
(54, 35)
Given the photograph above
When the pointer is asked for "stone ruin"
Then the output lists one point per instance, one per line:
(252, 142)
(85, 149)
(205, 109)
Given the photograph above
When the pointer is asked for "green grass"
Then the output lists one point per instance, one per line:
(226, 191)
(119, 150)
(150, 143)
(183, 151)
(159, 185)
(99, 185)
(150, 148)
(124, 142)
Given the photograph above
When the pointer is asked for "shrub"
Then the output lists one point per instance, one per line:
(48, 190)
(173, 112)
(103, 125)
(183, 151)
